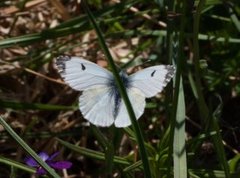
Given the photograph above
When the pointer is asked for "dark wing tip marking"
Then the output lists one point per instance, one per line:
(63, 58)
(60, 63)
(171, 71)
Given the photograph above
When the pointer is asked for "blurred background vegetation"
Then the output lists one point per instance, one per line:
(201, 37)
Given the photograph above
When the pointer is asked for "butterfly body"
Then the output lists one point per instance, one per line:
(101, 102)
(115, 93)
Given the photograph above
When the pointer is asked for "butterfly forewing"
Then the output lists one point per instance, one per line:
(81, 74)
(152, 80)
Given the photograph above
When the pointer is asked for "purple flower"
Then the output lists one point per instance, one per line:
(49, 160)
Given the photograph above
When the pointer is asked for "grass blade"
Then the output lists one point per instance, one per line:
(28, 149)
(16, 164)
(93, 154)
(208, 121)
(123, 93)
(179, 144)
(34, 106)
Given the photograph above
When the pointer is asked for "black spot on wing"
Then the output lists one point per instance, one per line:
(152, 74)
(83, 67)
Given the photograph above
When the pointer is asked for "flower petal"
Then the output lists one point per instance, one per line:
(44, 156)
(60, 164)
(41, 171)
(53, 156)
(30, 162)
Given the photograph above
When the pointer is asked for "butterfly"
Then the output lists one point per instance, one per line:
(100, 102)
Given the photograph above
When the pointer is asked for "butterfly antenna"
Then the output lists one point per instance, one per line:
(130, 64)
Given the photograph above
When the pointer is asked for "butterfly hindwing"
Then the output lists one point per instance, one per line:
(137, 100)
(97, 106)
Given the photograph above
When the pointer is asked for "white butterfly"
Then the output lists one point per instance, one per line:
(100, 102)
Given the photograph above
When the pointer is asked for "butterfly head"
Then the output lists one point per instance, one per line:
(125, 79)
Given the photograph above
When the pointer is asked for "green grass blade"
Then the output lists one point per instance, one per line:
(209, 122)
(234, 163)
(33, 106)
(16, 164)
(176, 46)
(123, 93)
(93, 154)
(218, 139)
(133, 166)
(203, 173)
(179, 144)
(28, 149)
(107, 146)
(233, 16)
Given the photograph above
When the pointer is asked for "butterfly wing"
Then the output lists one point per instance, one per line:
(97, 106)
(137, 100)
(152, 79)
(81, 74)
(95, 103)
(145, 83)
